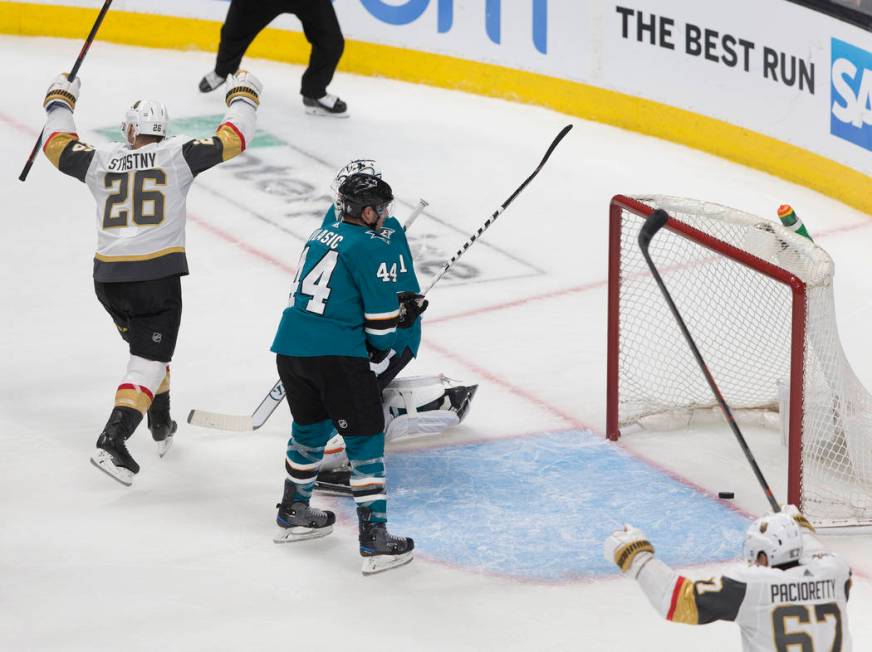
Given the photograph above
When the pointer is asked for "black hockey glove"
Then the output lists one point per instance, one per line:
(378, 359)
(412, 305)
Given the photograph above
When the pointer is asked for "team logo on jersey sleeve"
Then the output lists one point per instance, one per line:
(384, 234)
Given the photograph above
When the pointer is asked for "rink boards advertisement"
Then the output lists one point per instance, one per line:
(763, 82)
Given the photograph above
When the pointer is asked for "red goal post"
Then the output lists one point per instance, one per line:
(758, 298)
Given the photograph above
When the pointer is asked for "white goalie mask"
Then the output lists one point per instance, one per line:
(147, 117)
(357, 166)
(778, 535)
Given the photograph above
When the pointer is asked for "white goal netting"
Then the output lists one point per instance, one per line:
(749, 328)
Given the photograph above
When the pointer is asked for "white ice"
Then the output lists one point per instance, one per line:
(183, 560)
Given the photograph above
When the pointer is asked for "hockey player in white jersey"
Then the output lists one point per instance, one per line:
(140, 187)
(791, 594)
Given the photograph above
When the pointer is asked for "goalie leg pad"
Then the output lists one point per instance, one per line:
(425, 405)
(334, 454)
(424, 425)
(406, 395)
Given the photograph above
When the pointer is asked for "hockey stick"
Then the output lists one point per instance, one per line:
(498, 212)
(422, 204)
(652, 225)
(274, 397)
(71, 77)
(241, 422)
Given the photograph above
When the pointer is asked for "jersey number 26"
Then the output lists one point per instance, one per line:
(147, 204)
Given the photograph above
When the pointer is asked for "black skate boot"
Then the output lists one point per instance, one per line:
(334, 482)
(160, 423)
(211, 80)
(380, 549)
(112, 456)
(329, 105)
(300, 521)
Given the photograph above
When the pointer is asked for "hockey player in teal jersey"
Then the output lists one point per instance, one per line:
(403, 271)
(343, 312)
(415, 406)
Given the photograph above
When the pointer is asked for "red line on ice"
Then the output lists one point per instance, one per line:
(497, 380)
(244, 246)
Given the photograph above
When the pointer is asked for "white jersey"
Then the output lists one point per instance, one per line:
(804, 607)
(801, 608)
(141, 193)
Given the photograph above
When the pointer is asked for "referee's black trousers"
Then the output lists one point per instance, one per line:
(246, 18)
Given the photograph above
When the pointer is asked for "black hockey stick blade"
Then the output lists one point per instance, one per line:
(656, 221)
(484, 227)
(71, 77)
(542, 163)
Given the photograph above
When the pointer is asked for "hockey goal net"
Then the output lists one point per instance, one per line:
(758, 300)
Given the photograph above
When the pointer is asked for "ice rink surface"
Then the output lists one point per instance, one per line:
(508, 511)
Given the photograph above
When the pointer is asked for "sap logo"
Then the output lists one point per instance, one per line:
(851, 92)
(411, 10)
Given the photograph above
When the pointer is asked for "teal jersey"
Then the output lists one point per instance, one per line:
(407, 281)
(344, 295)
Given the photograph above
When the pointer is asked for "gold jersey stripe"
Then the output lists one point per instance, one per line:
(165, 383)
(684, 608)
(241, 91)
(56, 144)
(126, 259)
(233, 141)
(62, 95)
(132, 398)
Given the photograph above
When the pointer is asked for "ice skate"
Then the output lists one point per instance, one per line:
(329, 105)
(112, 456)
(160, 424)
(299, 522)
(380, 549)
(334, 482)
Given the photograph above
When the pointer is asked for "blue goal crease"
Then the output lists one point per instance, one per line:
(539, 508)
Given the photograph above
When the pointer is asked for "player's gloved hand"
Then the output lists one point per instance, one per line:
(244, 87)
(793, 512)
(411, 307)
(379, 360)
(62, 93)
(626, 546)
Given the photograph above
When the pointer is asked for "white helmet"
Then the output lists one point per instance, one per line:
(778, 535)
(357, 166)
(148, 118)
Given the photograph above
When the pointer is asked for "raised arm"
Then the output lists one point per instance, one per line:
(62, 145)
(236, 129)
(674, 597)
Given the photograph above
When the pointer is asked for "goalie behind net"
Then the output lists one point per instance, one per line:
(758, 300)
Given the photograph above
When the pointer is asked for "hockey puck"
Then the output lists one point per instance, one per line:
(726, 494)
